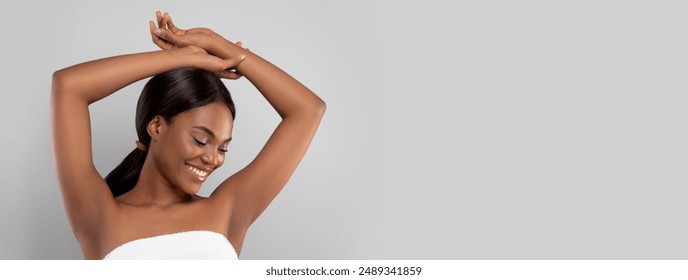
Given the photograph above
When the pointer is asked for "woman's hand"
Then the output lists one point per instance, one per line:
(168, 36)
(222, 67)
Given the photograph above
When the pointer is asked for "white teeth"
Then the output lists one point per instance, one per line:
(197, 171)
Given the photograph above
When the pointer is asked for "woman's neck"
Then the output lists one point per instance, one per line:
(152, 189)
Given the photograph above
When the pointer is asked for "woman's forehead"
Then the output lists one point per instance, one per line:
(215, 117)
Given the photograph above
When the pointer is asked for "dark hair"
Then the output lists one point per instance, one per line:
(166, 94)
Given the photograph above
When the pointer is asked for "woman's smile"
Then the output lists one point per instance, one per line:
(200, 174)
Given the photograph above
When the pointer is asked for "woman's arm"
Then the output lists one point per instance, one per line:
(253, 188)
(87, 197)
(301, 110)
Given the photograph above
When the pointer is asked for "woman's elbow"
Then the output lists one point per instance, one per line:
(59, 81)
(321, 106)
(313, 110)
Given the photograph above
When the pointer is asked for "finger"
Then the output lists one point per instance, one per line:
(226, 66)
(165, 19)
(232, 62)
(158, 16)
(168, 36)
(240, 44)
(157, 40)
(171, 26)
(229, 75)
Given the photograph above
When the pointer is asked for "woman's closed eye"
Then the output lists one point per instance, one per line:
(202, 144)
(199, 142)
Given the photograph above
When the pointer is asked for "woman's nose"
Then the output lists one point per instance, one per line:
(209, 158)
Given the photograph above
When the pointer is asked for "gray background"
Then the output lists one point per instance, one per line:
(454, 130)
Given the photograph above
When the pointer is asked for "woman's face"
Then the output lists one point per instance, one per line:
(192, 145)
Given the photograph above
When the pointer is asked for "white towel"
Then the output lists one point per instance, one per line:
(186, 245)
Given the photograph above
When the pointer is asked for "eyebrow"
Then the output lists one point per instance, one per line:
(210, 132)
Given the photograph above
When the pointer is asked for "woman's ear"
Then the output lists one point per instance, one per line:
(155, 127)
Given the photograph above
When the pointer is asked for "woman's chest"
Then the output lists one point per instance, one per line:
(133, 223)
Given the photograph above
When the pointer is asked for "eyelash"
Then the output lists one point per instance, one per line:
(203, 144)
(198, 142)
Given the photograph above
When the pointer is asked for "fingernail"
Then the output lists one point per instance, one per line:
(243, 57)
(157, 31)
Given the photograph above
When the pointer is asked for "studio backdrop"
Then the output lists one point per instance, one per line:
(454, 129)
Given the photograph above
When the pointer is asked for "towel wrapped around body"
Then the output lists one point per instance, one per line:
(186, 245)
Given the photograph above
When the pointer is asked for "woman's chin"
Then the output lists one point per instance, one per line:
(192, 189)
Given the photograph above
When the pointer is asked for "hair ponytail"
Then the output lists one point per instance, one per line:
(124, 177)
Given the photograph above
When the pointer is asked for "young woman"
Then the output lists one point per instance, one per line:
(148, 207)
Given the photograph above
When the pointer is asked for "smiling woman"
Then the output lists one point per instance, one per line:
(147, 207)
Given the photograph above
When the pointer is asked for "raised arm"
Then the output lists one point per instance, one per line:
(252, 189)
(301, 110)
(87, 198)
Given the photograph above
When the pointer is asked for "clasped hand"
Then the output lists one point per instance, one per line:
(196, 42)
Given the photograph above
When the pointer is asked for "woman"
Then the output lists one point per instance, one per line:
(148, 207)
